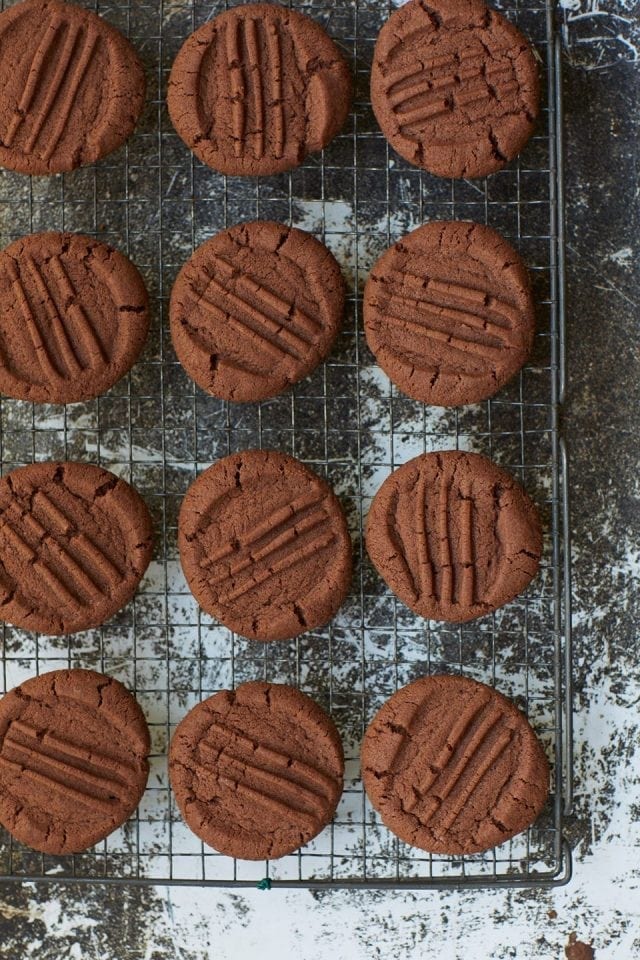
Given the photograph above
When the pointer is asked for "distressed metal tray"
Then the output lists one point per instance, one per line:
(155, 202)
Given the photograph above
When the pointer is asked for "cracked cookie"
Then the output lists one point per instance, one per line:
(75, 541)
(256, 89)
(258, 771)
(264, 545)
(453, 535)
(454, 87)
(449, 313)
(71, 87)
(73, 759)
(453, 766)
(255, 309)
(74, 317)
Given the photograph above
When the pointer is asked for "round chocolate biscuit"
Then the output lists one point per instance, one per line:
(264, 545)
(74, 318)
(453, 535)
(71, 87)
(73, 759)
(257, 771)
(75, 541)
(255, 309)
(256, 89)
(449, 313)
(453, 767)
(454, 87)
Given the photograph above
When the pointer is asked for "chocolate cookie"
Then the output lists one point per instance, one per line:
(453, 767)
(71, 87)
(75, 541)
(258, 88)
(449, 314)
(73, 759)
(257, 772)
(264, 545)
(255, 309)
(453, 535)
(73, 317)
(454, 87)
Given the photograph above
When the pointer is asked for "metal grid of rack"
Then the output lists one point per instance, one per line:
(156, 203)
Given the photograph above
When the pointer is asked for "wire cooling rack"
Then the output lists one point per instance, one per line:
(156, 203)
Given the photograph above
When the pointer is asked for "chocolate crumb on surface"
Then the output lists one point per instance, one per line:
(577, 950)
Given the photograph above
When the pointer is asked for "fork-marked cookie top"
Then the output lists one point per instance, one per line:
(257, 771)
(264, 545)
(71, 87)
(449, 314)
(74, 317)
(453, 767)
(73, 759)
(256, 89)
(454, 87)
(75, 541)
(453, 535)
(255, 309)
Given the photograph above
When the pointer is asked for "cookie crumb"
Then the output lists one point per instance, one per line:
(577, 950)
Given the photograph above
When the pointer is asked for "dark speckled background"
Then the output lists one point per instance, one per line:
(602, 904)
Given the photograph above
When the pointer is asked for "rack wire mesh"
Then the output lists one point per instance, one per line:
(155, 428)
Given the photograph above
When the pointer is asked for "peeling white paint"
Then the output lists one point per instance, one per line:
(622, 257)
